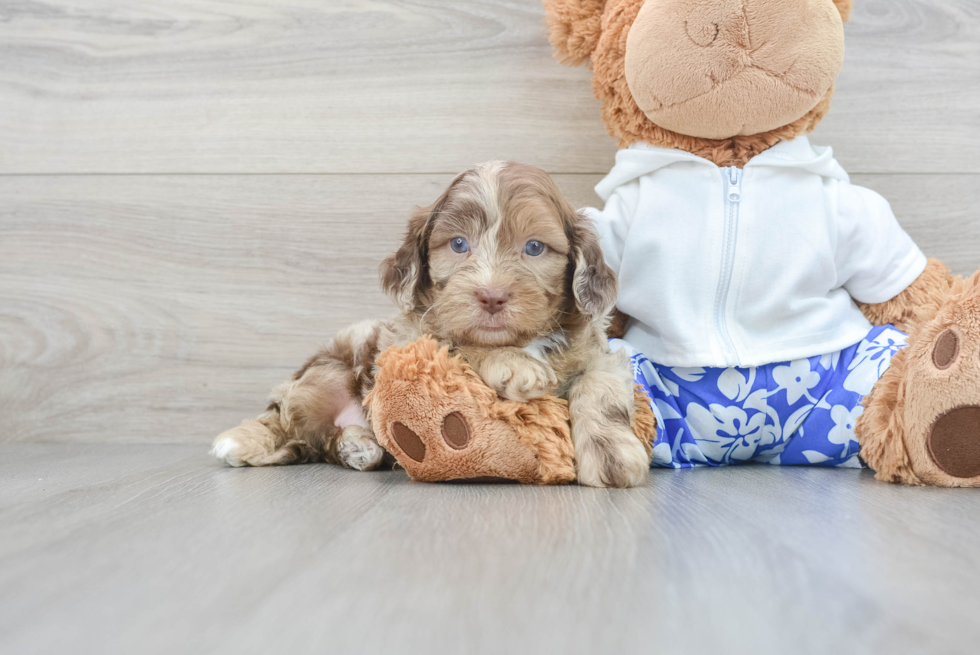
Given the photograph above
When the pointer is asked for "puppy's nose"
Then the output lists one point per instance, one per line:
(492, 299)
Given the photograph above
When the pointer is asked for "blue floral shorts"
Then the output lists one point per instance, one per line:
(799, 412)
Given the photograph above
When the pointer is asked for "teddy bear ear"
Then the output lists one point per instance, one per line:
(574, 27)
(844, 7)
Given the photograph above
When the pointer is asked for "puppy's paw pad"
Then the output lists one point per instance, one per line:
(359, 451)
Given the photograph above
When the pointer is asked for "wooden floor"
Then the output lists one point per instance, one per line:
(194, 194)
(108, 548)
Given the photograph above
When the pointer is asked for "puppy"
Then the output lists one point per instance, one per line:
(503, 270)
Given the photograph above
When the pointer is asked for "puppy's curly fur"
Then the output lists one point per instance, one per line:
(503, 270)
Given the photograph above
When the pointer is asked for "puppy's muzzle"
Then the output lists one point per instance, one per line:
(492, 299)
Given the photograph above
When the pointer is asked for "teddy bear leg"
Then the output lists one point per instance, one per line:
(453, 437)
(921, 423)
(441, 422)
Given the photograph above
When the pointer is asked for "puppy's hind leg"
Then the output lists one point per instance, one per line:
(261, 442)
(317, 416)
(309, 420)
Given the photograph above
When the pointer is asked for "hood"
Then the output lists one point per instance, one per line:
(640, 159)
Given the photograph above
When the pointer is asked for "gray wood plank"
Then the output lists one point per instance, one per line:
(168, 552)
(161, 309)
(392, 86)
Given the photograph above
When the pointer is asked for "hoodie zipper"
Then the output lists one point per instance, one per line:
(732, 177)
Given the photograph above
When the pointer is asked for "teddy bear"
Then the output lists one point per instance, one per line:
(773, 312)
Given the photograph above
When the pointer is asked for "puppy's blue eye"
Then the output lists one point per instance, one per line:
(534, 248)
(459, 244)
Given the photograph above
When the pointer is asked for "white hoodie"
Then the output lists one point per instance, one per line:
(727, 267)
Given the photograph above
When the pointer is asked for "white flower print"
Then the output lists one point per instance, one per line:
(797, 379)
(872, 360)
(794, 421)
(734, 385)
(815, 457)
(829, 362)
(661, 454)
(773, 455)
(688, 373)
(665, 411)
(650, 374)
(844, 421)
(725, 433)
(693, 453)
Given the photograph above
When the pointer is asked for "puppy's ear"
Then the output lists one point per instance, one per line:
(594, 284)
(405, 274)
(574, 27)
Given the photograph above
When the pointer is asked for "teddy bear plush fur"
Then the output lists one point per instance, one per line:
(442, 422)
(660, 83)
(917, 427)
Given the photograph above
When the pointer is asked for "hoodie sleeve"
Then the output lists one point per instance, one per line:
(876, 260)
(613, 222)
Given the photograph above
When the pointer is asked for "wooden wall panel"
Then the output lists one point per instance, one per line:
(380, 86)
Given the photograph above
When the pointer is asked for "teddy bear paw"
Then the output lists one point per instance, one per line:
(455, 433)
(953, 437)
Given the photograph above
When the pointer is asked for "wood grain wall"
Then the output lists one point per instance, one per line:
(195, 194)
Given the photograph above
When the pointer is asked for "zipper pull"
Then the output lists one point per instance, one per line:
(734, 184)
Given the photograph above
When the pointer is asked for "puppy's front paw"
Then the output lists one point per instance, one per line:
(358, 450)
(519, 377)
(616, 459)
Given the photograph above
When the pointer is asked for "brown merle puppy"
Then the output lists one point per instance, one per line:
(506, 272)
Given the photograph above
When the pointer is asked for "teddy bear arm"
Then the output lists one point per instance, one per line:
(918, 302)
(617, 325)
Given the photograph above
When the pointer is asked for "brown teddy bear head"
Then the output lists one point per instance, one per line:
(723, 79)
